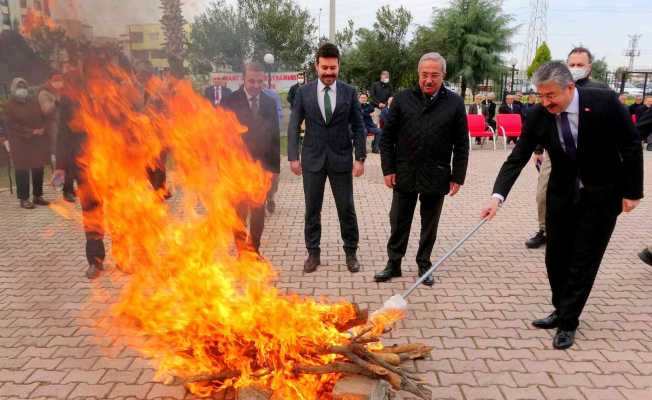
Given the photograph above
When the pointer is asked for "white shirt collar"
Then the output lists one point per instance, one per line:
(574, 106)
(321, 86)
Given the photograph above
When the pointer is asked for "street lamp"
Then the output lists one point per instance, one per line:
(269, 60)
(513, 62)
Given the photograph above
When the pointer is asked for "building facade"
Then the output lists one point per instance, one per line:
(12, 12)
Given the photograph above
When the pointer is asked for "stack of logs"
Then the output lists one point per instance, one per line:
(355, 358)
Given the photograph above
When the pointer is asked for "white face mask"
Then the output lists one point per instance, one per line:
(300, 80)
(579, 73)
(22, 93)
(385, 80)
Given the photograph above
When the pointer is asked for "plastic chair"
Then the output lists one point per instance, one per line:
(478, 128)
(508, 126)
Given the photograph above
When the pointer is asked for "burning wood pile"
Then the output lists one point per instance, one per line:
(362, 355)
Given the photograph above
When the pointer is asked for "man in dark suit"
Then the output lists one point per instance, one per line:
(331, 112)
(424, 152)
(597, 172)
(580, 64)
(218, 91)
(509, 106)
(490, 109)
(301, 80)
(257, 112)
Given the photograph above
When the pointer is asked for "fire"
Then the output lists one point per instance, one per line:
(34, 20)
(197, 306)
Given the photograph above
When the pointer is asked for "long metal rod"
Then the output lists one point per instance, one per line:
(442, 259)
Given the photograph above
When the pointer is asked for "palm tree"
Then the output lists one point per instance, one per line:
(173, 22)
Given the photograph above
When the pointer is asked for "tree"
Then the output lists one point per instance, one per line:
(600, 70)
(384, 47)
(471, 35)
(229, 35)
(172, 22)
(541, 57)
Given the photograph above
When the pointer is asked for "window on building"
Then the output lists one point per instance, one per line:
(38, 5)
(23, 3)
(6, 19)
(4, 3)
(153, 36)
(140, 54)
(136, 37)
(158, 54)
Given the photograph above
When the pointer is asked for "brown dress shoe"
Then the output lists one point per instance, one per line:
(312, 262)
(26, 204)
(40, 201)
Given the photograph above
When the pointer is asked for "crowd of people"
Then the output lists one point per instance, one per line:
(582, 139)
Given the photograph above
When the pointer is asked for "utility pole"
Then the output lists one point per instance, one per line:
(331, 25)
(632, 51)
(537, 30)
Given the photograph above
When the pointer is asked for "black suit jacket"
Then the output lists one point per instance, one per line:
(209, 93)
(504, 109)
(327, 145)
(609, 156)
(425, 142)
(263, 138)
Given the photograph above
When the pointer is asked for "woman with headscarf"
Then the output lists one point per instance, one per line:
(28, 142)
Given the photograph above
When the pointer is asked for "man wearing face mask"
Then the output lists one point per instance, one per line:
(28, 142)
(381, 91)
(580, 64)
(301, 80)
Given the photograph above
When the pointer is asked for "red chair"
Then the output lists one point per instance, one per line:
(634, 119)
(508, 126)
(478, 128)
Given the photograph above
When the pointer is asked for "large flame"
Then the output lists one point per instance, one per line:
(202, 307)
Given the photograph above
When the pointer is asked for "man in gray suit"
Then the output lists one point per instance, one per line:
(331, 112)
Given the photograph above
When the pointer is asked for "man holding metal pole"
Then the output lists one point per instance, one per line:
(426, 128)
(597, 173)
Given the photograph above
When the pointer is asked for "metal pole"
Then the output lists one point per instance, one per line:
(331, 25)
(622, 82)
(645, 84)
(442, 259)
(511, 89)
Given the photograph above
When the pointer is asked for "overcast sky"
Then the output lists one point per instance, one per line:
(600, 25)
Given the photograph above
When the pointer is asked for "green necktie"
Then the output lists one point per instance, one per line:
(328, 109)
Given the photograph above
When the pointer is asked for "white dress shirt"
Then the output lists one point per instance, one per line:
(573, 112)
(320, 96)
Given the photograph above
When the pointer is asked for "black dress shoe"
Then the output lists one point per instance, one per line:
(312, 262)
(94, 270)
(549, 322)
(563, 339)
(392, 270)
(40, 201)
(352, 263)
(26, 204)
(429, 281)
(69, 197)
(645, 256)
(271, 206)
(536, 241)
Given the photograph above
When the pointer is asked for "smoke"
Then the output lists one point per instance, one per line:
(111, 17)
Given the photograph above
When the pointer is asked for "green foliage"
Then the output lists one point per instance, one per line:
(225, 35)
(600, 70)
(541, 57)
(384, 47)
(471, 35)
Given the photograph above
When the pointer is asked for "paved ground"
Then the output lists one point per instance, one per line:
(476, 316)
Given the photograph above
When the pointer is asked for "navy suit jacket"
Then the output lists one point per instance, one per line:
(327, 145)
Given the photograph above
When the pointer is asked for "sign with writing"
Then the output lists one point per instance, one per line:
(281, 81)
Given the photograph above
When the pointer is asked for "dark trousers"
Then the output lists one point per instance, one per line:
(256, 216)
(69, 182)
(22, 182)
(158, 175)
(342, 187)
(273, 188)
(577, 238)
(93, 217)
(401, 215)
(377, 135)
